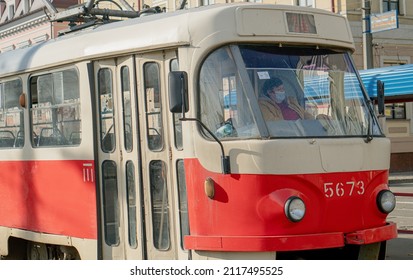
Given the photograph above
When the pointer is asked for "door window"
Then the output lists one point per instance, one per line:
(160, 205)
(107, 114)
(127, 110)
(110, 203)
(153, 106)
(174, 66)
(131, 201)
(183, 204)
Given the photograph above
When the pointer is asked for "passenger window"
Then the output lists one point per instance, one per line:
(106, 108)
(160, 205)
(55, 109)
(127, 110)
(153, 106)
(11, 115)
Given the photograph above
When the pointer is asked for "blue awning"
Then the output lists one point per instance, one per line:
(398, 81)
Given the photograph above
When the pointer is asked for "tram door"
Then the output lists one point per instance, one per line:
(159, 187)
(121, 230)
(139, 167)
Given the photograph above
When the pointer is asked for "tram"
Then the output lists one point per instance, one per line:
(144, 139)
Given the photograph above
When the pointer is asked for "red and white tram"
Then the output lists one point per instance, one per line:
(144, 139)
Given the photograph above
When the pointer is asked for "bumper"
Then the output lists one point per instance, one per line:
(290, 242)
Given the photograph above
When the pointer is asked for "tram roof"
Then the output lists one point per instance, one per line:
(97, 41)
(157, 31)
(398, 82)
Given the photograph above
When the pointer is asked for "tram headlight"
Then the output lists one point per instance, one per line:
(386, 201)
(294, 209)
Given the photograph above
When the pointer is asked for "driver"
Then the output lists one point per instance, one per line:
(275, 105)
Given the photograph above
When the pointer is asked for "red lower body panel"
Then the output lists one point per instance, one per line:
(55, 197)
(247, 211)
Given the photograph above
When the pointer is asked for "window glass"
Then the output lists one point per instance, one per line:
(160, 205)
(395, 111)
(110, 203)
(264, 91)
(208, 2)
(390, 5)
(55, 109)
(306, 3)
(176, 116)
(224, 107)
(11, 115)
(399, 111)
(131, 201)
(153, 106)
(107, 114)
(183, 204)
(127, 110)
(301, 23)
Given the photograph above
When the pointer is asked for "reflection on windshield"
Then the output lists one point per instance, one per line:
(270, 91)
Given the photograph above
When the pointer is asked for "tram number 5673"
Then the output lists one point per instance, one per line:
(343, 189)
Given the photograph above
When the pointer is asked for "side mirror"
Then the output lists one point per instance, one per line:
(178, 91)
(380, 97)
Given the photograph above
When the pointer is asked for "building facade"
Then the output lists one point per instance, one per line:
(25, 22)
(388, 48)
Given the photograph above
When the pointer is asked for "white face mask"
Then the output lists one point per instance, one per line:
(279, 96)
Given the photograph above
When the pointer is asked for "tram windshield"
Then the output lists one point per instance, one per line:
(262, 91)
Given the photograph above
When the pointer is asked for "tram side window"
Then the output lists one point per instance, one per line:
(153, 106)
(107, 114)
(55, 109)
(160, 205)
(11, 115)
